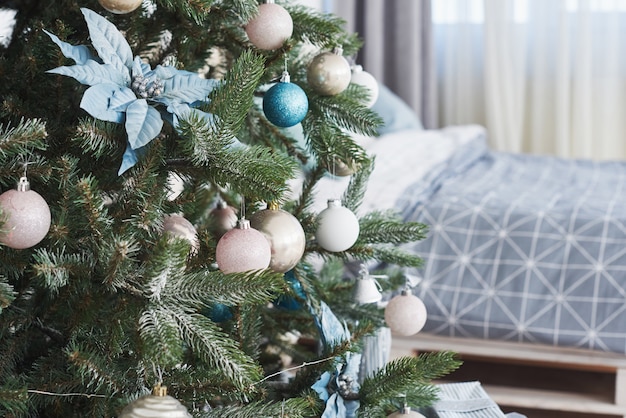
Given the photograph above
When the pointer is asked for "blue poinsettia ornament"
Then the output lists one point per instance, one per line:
(124, 89)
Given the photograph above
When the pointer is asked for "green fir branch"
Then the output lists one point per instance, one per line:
(92, 369)
(345, 111)
(14, 399)
(408, 376)
(249, 330)
(11, 340)
(323, 30)
(94, 221)
(56, 268)
(330, 144)
(386, 227)
(197, 10)
(258, 173)
(293, 408)
(116, 256)
(7, 293)
(352, 197)
(232, 99)
(215, 348)
(22, 139)
(383, 253)
(160, 336)
(100, 139)
(166, 262)
(202, 287)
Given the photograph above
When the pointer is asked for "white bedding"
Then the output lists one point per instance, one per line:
(402, 158)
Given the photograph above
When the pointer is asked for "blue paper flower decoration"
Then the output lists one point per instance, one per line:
(125, 90)
(338, 389)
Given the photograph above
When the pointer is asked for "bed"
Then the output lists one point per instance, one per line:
(520, 248)
(525, 257)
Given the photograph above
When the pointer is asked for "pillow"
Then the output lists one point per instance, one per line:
(397, 115)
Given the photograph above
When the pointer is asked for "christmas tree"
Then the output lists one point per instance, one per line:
(144, 149)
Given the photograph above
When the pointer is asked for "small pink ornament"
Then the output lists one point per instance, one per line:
(243, 249)
(120, 6)
(179, 227)
(26, 217)
(271, 27)
(405, 314)
(329, 73)
(223, 218)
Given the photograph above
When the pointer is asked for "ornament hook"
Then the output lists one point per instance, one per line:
(410, 281)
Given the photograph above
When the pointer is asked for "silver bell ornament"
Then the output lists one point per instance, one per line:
(338, 227)
(120, 6)
(405, 314)
(329, 73)
(271, 27)
(285, 235)
(366, 288)
(242, 249)
(406, 412)
(25, 216)
(157, 405)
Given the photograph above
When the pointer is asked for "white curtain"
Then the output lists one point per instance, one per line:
(544, 77)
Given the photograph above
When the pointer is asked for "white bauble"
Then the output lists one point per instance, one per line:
(338, 227)
(365, 79)
(405, 314)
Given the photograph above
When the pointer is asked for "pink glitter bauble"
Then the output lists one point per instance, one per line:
(271, 27)
(405, 314)
(243, 249)
(26, 217)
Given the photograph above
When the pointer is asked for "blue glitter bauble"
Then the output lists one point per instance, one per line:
(219, 313)
(289, 302)
(285, 104)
